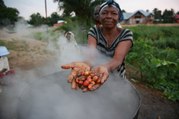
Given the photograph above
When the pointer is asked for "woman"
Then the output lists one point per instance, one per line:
(96, 15)
(110, 40)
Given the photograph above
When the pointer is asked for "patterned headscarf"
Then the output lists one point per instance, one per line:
(114, 4)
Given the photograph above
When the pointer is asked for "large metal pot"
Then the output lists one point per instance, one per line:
(51, 97)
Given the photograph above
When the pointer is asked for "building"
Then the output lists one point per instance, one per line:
(176, 18)
(59, 23)
(138, 17)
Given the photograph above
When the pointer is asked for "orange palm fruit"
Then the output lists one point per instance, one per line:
(86, 83)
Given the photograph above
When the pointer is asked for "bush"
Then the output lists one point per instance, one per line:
(156, 57)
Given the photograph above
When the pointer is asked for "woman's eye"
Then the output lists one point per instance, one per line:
(103, 13)
(114, 13)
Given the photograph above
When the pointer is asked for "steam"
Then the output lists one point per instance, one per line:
(43, 92)
(32, 97)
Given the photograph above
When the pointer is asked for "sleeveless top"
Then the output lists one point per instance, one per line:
(102, 46)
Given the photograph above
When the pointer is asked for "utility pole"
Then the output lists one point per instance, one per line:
(46, 13)
(45, 9)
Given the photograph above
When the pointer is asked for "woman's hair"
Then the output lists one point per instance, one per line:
(112, 3)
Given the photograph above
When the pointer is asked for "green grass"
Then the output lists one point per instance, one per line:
(156, 56)
(12, 45)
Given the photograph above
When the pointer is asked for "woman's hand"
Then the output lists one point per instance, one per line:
(103, 71)
(84, 77)
(104, 74)
(76, 66)
(76, 69)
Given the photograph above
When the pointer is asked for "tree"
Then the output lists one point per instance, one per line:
(54, 18)
(168, 16)
(36, 19)
(8, 15)
(83, 9)
(2, 3)
(157, 15)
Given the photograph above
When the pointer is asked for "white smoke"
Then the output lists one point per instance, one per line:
(32, 97)
(43, 92)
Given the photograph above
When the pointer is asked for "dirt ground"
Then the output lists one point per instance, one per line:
(153, 104)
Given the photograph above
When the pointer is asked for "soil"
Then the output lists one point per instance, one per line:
(153, 104)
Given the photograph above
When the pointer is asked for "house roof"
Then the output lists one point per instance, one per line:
(60, 21)
(144, 12)
(128, 15)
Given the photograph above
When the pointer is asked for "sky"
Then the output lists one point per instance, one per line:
(28, 7)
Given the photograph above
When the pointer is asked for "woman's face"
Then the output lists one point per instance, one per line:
(109, 17)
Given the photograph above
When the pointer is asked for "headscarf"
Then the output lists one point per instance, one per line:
(114, 4)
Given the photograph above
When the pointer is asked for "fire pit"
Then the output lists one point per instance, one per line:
(51, 97)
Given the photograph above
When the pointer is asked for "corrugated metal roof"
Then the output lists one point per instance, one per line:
(128, 15)
(60, 21)
(144, 12)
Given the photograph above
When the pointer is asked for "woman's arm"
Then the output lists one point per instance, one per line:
(91, 53)
(91, 41)
(120, 53)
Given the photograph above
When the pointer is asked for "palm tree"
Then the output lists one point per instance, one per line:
(82, 8)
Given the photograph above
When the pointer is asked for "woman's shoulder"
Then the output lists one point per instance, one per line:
(126, 31)
(125, 34)
(94, 29)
